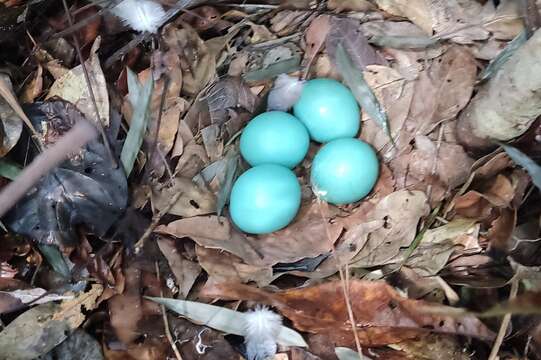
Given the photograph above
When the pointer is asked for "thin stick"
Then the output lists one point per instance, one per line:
(91, 92)
(505, 323)
(154, 143)
(71, 142)
(165, 321)
(155, 220)
(345, 284)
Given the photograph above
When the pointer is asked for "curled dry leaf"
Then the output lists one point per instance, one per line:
(195, 199)
(383, 316)
(40, 329)
(72, 87)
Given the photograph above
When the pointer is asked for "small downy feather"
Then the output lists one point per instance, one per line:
(261, 331)
(285, 93)
(140, 15)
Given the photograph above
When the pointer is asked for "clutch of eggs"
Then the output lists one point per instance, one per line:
(267, 197)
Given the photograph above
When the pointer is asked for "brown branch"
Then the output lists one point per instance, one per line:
(71, 142)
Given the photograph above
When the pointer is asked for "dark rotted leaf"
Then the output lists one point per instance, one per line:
(86, 189)
(348, 32)
(307, 264)
(78, 345)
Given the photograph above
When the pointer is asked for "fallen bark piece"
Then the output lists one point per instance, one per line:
(507, 104)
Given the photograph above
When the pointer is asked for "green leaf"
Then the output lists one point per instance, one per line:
(523, 160)
(54, 257)
(223, 319)
(9, 170)
(504, 55)
(138, 124)
(354, 79)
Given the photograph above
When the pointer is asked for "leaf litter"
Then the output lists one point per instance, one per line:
(422, 263)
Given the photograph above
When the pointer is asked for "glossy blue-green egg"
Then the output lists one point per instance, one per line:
(344, 171)
(265, 199)
(274, 137)
(328, 109)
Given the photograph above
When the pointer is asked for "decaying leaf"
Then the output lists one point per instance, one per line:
(40, 329)
(86, 189)
(383, 316)
(72, 87)
(194, 199)
(315, 36)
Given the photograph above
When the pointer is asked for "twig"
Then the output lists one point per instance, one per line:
(71, 142)
(154, 143)
(345, 283)
(165, 321)
(99, 124)
(155, 220)
(505, 323)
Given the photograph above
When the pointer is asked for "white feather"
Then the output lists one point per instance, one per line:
(285, 93)
(262, 327)
(140, 15)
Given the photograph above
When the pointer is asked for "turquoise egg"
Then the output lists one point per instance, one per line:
(328, 109)
(274, 137)
(265, 199)
(344, 171)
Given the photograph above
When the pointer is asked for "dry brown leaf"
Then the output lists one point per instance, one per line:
(506, 22)
(125, 327)
(456, 19)
(350, 5)
(223, 267)
(72, 87)
(448, 163)
(348, 32)
(12, 127)
(433, 347)
(375, 236)
(185, 271)
(383, 316)
(213, 232)
(34, 88)
(288, 21)
(501, 232)
(193, 159)
(315, 37)
(198, 64)
(194, 200)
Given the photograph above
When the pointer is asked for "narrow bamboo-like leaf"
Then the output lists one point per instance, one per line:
(138, 126)
(134, 87)
(232, 161)
(504, 55)
(8, 169)
(223, 319)
(354, 79)
(528, 164)
(55, 259)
